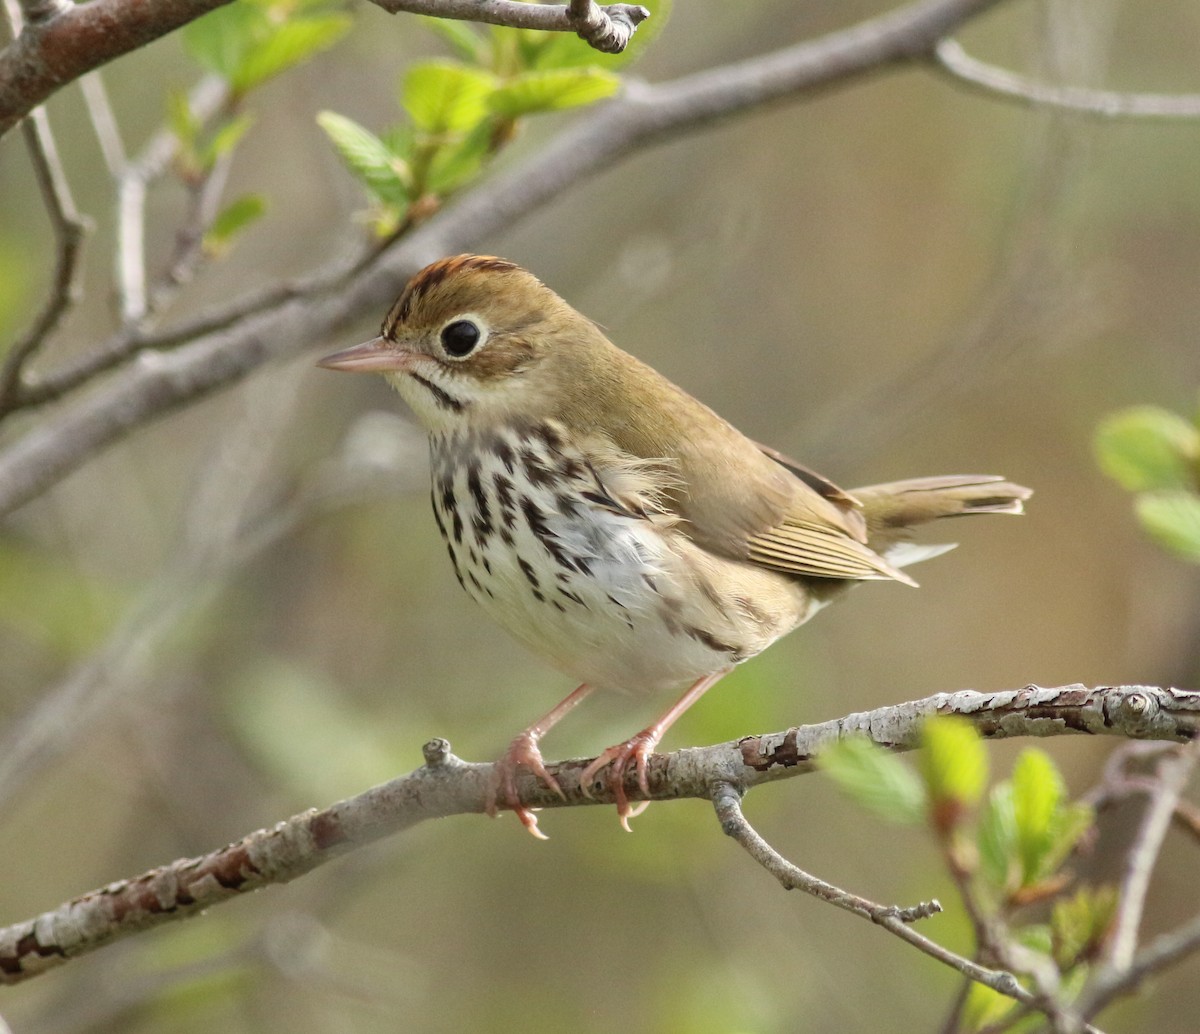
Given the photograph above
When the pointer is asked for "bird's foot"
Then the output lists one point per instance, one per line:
(635, 750)
(523, 752)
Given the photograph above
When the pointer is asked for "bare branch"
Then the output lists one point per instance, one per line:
(76, 39)
(1174, 770)
(448, 786)
(70, 228)
(1000, 82)
(1119, 785)
(1164, 951)
(104, 122)
(644, 115)
(727, 802)
(208, 97)
(608, 28)
(189, 240)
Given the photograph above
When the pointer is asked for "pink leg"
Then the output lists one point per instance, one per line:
(524, 752)
(638, 748)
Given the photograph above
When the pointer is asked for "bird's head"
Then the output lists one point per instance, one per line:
(470, 341)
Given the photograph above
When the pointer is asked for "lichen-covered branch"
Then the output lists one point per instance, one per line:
(446, 786)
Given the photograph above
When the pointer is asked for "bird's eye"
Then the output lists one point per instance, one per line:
(460, 338)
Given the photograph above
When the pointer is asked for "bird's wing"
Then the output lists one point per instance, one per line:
(804, 541)
(730, 496)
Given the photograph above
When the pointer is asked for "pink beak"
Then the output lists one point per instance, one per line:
(375, 356)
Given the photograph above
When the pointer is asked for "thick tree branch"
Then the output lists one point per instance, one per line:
(446, 786)
(642, 116)
(56, 50)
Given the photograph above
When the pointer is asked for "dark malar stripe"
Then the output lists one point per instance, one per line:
(442, 398)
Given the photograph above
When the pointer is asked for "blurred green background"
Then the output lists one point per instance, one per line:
(894, 279)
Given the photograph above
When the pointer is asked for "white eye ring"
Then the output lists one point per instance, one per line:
(462, 336)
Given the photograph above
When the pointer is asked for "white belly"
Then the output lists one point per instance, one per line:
(601, 593)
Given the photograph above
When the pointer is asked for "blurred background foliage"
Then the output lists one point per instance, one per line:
(895, 279)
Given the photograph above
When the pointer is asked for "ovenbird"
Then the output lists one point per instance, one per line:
(611, 522)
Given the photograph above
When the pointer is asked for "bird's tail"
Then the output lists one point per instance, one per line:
(891, 509)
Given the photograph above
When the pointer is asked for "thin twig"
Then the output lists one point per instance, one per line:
(727, 802)
(951, 58)
(1173, 774)
(608, 29)
(447, 786)
(189, 241)
(207, 98)
(1163, 952)
(104, 123)
(1118, 784)
(70, 229)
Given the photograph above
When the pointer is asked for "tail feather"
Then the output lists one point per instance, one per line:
(904, 504)
(891, 509)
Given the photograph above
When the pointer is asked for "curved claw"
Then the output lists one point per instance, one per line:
(522, 752)
(617, 758)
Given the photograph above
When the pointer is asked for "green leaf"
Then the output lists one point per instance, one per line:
(385, 174)
(248, 43)
(289, 44)
(996, 839)
(218, 41)
(232, 220)
(1046, 828)
(552, 90)
(181, 121)
(954, 764)
(1172, 519)
(1069, 824)
(443, 97)
(1080, 923)
(875, 779)
(225, 139)
(471, 47)
(1146, 448)
(456, 164)
(985, 1007)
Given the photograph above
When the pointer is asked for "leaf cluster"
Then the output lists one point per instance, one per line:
(460, 112)
(1006, 846)
(1155, 454)
(245, 45)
